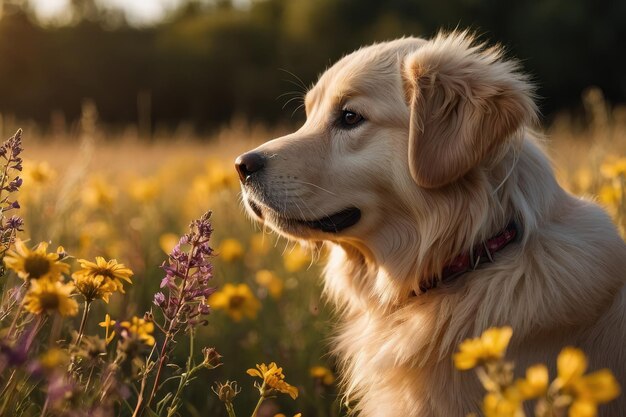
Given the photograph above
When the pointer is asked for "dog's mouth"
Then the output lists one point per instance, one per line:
(333, 223)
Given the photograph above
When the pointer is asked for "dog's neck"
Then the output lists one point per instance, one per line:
(471, 259)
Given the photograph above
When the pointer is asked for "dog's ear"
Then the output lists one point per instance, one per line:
(465, 101)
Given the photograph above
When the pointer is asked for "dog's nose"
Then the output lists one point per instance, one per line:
(249, 163)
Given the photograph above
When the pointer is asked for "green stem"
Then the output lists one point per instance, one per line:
(182, 382)
(256, 409)
(44, 410)
(144, 378)
(230, 410)
(83, 322)
(89, 378)
(169, 336)
(18, 313)
(7, 392)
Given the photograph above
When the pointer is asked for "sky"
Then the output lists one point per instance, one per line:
(137, 11)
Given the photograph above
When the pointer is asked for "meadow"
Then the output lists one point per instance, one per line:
(120, 197)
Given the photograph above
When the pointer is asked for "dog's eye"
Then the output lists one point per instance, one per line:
(350, 119)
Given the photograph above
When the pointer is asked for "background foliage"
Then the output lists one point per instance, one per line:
(210, 61)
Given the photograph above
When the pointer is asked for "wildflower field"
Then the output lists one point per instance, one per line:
(113, 304)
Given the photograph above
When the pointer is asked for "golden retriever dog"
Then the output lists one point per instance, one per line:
(418, 168)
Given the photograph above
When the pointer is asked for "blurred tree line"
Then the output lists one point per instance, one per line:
(210, 61)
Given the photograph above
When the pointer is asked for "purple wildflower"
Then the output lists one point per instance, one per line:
(10, 151)
(159, 299)
(60, 388)
(187, 274)
(15, 222)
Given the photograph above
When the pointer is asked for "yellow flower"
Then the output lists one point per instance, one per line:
(53, 358)
(323, 374)
(112, 274)
(489, 346)
(94, 287)
(141, 329)
(269, 280)
(259, 244)
(230, 250)
(612, 170)
(583, 179)
(610, 195)
(238, 301)
(144, 190)
(36, 263)
(220, 177)
(167, 241)
(45, 295)
(536, 382)
(571, 364)
(296, 259)
(600, 386)
(37, 172)
(107, 324)
(587, 390)
(99, 194)
(508, 404)
(583, 408)
(273, 377)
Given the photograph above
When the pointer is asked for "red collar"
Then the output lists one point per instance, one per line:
(469, 260)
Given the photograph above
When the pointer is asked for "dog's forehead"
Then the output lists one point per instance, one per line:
(352, 74)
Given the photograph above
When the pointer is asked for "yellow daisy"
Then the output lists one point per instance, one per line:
(99, 194)
(94, 287)
(144, 190)
(53, 359)
(273, 377)
(112, 272)
(35, 263)
(571, 364)
(536, 382)
(45, 295)
(587, 390)
(270, 280)
(141, 329)
(489, 346)
(37, 172)
(505, 404)
(322, 374)
(167, 241)
(238, 301)
(296, 259)
(230, 250)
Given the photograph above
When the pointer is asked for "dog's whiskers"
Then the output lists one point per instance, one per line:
(314, 185)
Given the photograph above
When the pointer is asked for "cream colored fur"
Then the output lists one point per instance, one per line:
(444, 159)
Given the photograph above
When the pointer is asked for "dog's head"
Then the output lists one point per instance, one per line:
(391, 131)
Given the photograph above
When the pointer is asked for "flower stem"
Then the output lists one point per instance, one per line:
(230, 410)
(83, 322)
(44, 410)
(184, 378)
(157, 378)
(169, 335)
(261, 399)
(18, 313)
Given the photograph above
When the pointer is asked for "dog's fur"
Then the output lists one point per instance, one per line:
(444, 159)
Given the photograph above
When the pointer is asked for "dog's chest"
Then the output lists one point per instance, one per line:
(392, 366)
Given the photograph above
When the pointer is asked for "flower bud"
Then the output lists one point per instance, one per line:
(226, 392)
(211, 358)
